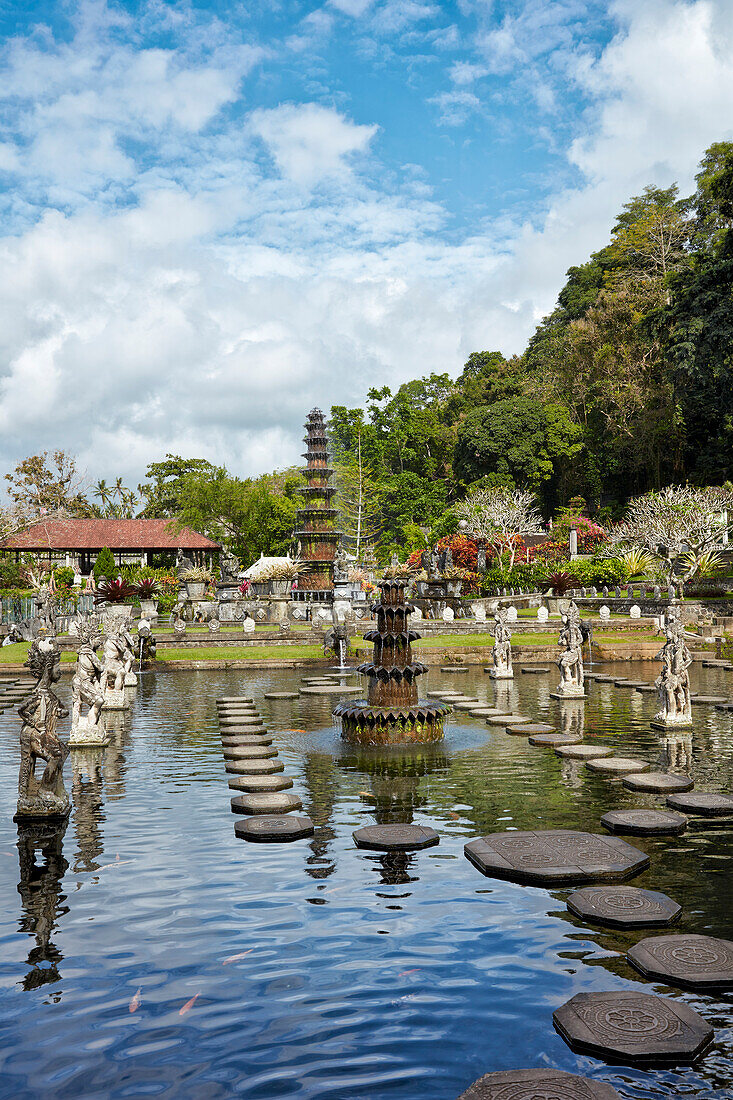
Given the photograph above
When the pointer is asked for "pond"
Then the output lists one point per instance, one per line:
(150, 953)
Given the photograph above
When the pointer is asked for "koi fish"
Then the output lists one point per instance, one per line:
(189, 1005)
(135, 1002)
(236, 958)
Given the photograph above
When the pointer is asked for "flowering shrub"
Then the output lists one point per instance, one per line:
(245, 587)
(590, 535)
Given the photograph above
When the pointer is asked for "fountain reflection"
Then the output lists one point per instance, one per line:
(396, 778)
(394, 870)
(41, 898)
(572, 717)
(320, 779)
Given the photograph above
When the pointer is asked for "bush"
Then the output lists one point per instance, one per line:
(64, 576)
(104, 566)
(597, 571)
(12, 574)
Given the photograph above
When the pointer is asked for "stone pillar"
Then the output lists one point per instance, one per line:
(573, 544)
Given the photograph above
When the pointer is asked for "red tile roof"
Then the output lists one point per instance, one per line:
(116, 534)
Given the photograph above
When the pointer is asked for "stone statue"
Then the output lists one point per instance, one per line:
(481, 559)
(570, 662)
(40, 711)
(673, 682)
(502, 649)
(87, 688)
(228, 567)
(183, 564)
(46, 609)
(341, 566)
(448, 559)
(115, 661)
(129, 653)
(433, 571)
(148, 644)
(394, 561)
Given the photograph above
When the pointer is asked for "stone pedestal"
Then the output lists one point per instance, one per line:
(573, 691)
(680, 721)
(501, 674)
(115, 700)
(86, 734)
(130, 680)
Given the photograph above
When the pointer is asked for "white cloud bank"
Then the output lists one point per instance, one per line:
(215, 306)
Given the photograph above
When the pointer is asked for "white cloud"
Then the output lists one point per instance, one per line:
(354, 8)
(309, 142)
(455, 107)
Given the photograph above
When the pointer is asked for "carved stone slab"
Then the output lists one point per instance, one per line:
(277, 802)
(274, 829)
(555, 857)
(527, 729)
(243, 739)
(618, 765)
(251, 784)
(281, 695)
(247, 752)
(623, 907)
(703, 803)
(507, 719)
(396, 838)
(632, 1027)
(254, 767)
(583, 752)
(553, 739)
(326, 689)
(694, 962)
(643, 822)
(658, 782)
(235, 699)
(535, 669)
(538, 1084)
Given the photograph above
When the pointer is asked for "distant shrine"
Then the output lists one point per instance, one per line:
(316, 534)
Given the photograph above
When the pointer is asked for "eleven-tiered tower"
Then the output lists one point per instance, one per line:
(316, 523)
(392, 714)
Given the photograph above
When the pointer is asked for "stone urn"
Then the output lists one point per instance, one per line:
(148, 609)
(195, 589)
(280, 587)
(453, 587)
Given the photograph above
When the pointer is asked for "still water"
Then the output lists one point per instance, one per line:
(149, 953)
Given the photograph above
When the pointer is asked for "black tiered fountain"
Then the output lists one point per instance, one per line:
(392, 714)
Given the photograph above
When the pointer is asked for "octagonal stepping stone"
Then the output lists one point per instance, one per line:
(330, 689)
(702, 803)
(525, 729)
(242, 740)
(709, 698)
(643, 822)
(266, 766)
(233, 732)
(692, 962)
(273, 829)
(583, 752)
(555, 857)
(281, 695)
(507, 720)
(235, 699)
(464, 704)
(601, 678)
(395, 838)
(632, 1027)
(551, 740)
(533, 669)
(658, 782)
(442, 694)
(241, 720)
(243, 708)
(623, 683)
(713, 663)
(724, 706)
(483, 712)
(455, 668)
(623, 906)
(272, 802)
(318, 680)
(538, 1084)
(248, 752)
(251, 784)
(646, 689)
(618, 765)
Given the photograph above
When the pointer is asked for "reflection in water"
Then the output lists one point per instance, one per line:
(395, 778)
(87, 796)
(320, 778)
(676, 750)
(572, 717)
(118, 727)
(41, 898)
(394, 869)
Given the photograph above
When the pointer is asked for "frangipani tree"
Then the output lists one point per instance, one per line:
(677, 526)
(500, 517)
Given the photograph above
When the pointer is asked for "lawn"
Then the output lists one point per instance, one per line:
(242, 653)
(458, 641)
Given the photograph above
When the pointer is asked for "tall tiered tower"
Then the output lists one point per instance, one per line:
(392, 714)
(316, 524)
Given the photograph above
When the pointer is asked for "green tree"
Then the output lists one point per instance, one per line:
(41, 485)
(104, 566)
(164, 492)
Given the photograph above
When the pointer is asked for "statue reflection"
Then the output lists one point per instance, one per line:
(87, 796)
(676, 750)
(320, 779)
(118, 727)
(41, 898)
(572, 717)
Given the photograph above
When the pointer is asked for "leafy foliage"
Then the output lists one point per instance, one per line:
(116, 590)
(104, 566)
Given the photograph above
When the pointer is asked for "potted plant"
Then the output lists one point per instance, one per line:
(453, 578)
(281, 576)
(148, 591)
(195, 580)
(114, 591)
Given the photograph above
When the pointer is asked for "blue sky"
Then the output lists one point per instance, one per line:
(216, 215)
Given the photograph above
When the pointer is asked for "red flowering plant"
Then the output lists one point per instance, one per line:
(590, 534)
(114, 591)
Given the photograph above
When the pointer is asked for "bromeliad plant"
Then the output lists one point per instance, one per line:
(114, 591)
(147, 588)
(561, 582)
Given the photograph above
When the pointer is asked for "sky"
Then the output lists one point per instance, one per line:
(218, 214)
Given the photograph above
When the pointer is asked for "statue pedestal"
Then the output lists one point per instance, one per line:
(568, 693)
(86, 735)
(130, 680)
(116, 700)
(501, 674)
(42, 808)
(675, 723)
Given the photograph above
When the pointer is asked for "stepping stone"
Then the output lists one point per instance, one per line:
(442, 694)
(583, 752)
(618, 765)
(601, 678)
(395, 838)
(526, 729)
(703, 804)
(709, 698)
(627, 683)
(647, 689)
(554, 739)
(714, 664)
(331, 689)
(532, 670)
(246, 708)
(538, 1084)
(242, 739)
(281, 695)
(235, 699)
(643, 822)
(693, 962)
(242, 731)
(483, 712)
(724, 706)
(507, 719)
(623, 906)
(658, 782)
(253, 783)
(248, 752)
(555, 857)
(464, 704)
(254, 767)
(272, 829)
(278, 802)
(454, 668)
(632, 1027)
(241, 720)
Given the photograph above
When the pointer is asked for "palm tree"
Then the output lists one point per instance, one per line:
(102, 490)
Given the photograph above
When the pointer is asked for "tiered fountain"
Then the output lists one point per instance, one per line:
(316, 524)
(392, 714)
